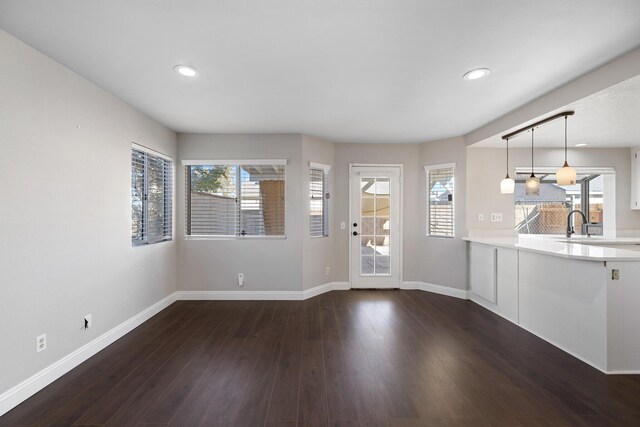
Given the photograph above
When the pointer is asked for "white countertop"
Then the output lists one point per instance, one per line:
(600, 249)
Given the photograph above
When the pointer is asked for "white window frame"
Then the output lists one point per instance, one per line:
(168, 198)
(326, 170)
(428, 170)
(235, 162)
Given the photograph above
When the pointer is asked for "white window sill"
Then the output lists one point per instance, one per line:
(235, 237)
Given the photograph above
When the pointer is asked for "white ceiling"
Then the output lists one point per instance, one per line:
(344, 70)
(609, 118)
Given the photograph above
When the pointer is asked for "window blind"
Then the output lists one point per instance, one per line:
(440, 207)
(151, 198)
(318, 202)
(235, 200)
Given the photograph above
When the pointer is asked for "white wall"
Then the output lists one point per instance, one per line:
(318, 252)
(486, 167)
(65, 218)
(444, 261)
(299, 262)
(267, 264)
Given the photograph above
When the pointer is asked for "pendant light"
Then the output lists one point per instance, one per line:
(566, 175)
(532, 184)
(507, 185)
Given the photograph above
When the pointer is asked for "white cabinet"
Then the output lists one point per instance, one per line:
(635, 178)
(493, 279)
(564, 301)
(623, 317)
(483, 278)
(587, 308)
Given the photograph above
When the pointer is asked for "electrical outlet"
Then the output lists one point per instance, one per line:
(496, 217)
(41, 343)
(343, 225)
(480, 217)
(240, 279)
(615, 274)
(327, 271)
(87, 321)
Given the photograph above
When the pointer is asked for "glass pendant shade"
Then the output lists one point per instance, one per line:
(532, 186)
(507, 185)
(566, 175)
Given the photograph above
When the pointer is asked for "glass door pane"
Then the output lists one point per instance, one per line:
(375, 220)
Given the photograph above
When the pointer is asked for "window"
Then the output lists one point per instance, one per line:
(440, 207)
(235, 199)
(319, 200)
(151, 197)
(547, 212)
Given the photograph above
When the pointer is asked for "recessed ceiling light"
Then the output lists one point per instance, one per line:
(476, 74)
(186, 70)
(582, 144)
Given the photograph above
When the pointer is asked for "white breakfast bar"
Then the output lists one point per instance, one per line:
(581, 295)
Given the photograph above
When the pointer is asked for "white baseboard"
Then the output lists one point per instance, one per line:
(408, 285)
(262, 295)
(436, 289)
(340, 286)
(332, 286)
(238, 295)
(632, 372)
(27, 388)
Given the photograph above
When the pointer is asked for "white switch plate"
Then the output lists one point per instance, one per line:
(343, 225)
(327, 271)
(496, 217)
(480, 217)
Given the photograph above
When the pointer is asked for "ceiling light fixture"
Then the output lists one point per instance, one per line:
(532, 184)
(476, 74)
(186, 70)
(507, 185)
(566, 175)
(582, 144)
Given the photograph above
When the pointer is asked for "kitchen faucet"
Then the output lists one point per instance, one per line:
(570, 229)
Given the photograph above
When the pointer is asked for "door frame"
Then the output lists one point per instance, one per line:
(400, 167)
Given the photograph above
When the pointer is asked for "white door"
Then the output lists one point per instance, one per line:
(375, 226)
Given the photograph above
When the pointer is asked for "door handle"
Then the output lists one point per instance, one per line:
(355, 233)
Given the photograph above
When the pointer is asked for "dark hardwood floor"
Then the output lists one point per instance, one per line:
(398, 358)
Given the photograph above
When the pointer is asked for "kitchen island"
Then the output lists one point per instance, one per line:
(581, 294)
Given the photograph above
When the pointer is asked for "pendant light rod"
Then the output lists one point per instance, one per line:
(532, 174)
(539, 123)
(507, 157)
(565, 141)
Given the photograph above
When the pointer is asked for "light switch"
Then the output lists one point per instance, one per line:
(343, 225)
(480, 217)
